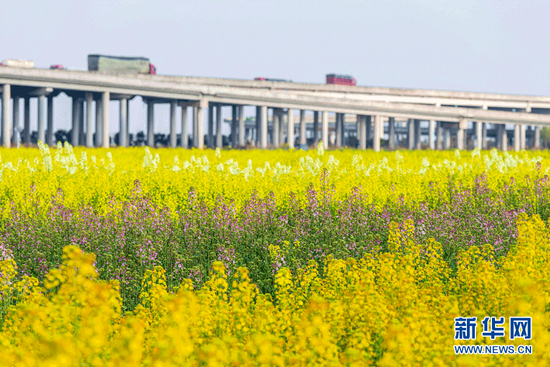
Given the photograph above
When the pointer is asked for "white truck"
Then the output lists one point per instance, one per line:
(25, 64)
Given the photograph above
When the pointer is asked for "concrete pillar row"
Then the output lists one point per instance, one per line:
(290, 128)
(324, 129)
(150, 124)
(358, 130)
(303, 139)
(41, 118)
(123, 123)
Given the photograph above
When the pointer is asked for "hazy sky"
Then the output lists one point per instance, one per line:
(498, 46)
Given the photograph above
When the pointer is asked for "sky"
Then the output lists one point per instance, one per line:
(499, 46)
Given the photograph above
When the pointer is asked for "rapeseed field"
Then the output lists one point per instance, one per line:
(115, 257)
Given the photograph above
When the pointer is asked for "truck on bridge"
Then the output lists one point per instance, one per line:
(26, 64)
(340, 79)
(120, 65)
(272, 80)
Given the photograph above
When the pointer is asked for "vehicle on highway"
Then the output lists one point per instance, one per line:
(26, 64)
(273, 80)
(120, 65)
(58, 66)
(340, 79)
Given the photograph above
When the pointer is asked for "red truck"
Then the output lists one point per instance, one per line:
(340, 79)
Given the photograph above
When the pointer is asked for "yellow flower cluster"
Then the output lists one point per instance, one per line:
(166, 175)
(387, 309)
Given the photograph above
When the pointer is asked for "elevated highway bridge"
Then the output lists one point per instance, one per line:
(372, 106)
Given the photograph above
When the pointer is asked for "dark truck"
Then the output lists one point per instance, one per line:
(120, 65)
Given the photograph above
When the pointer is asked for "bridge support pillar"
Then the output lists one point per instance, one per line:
(282, 125)
(98, 123)
(411, 134)
(195, 126)
(200, 123)
(6, 117)
(338, 130)
(263, 132)
(324, 129)
(15, 122)
(431, 134)
(184, 129)
(391, 133)
(461, 134)
(479, 134)
(316, 128)
(483, 135)
(105, 98)
(536, 143)
(173, 137)
(75, 128)
(446, 138)
(219, 138)
(150, 124)
(234, 126)
(41, 127)
(27, 120)
(89, 121)
(123, 123)
(358, 131)
(256, 137)
(417, 135)
(517, 137)
(210, 142)
(275, 131)
(502, 137)
(363, 132)
(522, 141)
(303, 139)
(49, 135)
(439, 136)
(378, 128)
(242, 129)
(290, 125)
